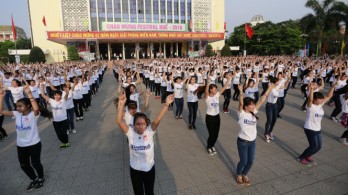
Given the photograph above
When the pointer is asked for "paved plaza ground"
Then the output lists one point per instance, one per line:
(98, 161)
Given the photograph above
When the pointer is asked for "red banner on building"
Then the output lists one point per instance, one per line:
(59, 35)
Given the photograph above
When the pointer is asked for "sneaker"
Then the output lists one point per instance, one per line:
(86, 110)
(334, 119)
(180, 117)
(267, 138)
(67, 145)
(210, 151)
(67, 132)
(246, 180)
(194, 126)
(39, 183)
(214, 151)
(81, 118)
(271, 136)
(303, 161)
(176, 117)
(190, 126)
(343, 141)
(31, 185)
(74, 131)
(77, 118)
(239, 180)
(62, 146)
(4, 138)
(311, 160)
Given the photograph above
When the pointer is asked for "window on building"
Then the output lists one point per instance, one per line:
(133, 10)
(101, 12)
(117, 10)
(125, 16)
(169, 11)
(140, 11)
(148, 10)
(93, 10)
(176, 11)
(163, 10)
(189, 6)
(109, 11)
(155, 11)
(182, 11)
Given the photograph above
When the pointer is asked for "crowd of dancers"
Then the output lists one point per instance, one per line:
(174, 80)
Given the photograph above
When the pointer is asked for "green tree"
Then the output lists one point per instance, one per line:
(23, 43)
(209, 51)
(325, 16)
(73, 53)
(36, 55)
(226, 51)
(4, 56)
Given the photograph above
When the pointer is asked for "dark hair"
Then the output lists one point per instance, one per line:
(273, 79)
(211, 86)
(317, 95)
(59, 92)
(132, 104)
(128, 93)
(18, 82)
(141, 115)
(43, 111)
(248, 101)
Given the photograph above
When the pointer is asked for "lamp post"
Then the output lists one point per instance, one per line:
(304, 37)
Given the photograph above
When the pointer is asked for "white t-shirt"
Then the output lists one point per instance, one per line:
(85, 87)
(141, 149)
(34, 91)
(77, 91)
(58, 110)
(273, 96)
(178, 90)
(314, 115)
(7, 82)
(213, 104)
(236, 79)
(26, 128)
(344, 104)
(250, 92)
(135, 97)
(69, 102)
(129, 119)
(17, 93)
(191, 97)
(247, 123)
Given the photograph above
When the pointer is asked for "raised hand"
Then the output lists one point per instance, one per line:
(170, 99)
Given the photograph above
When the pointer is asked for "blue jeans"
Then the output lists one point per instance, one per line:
(179, 102)
(8, 97)
(272, 114)
(70, 115)
(246, 151)
(315, 142)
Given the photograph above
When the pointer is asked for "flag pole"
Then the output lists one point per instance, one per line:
(244, 52)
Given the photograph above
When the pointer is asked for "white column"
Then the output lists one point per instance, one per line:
(164, 50)
(123, 52)
(177, 49)
(137, 49)
(160, 49)
(151, 48)
(109, 51)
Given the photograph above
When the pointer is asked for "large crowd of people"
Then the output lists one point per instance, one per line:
(199, 78)
(63, 91)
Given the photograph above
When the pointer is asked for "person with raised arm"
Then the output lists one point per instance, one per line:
(141, 146)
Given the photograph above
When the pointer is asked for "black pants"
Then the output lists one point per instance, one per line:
(236, 92)
(264, 88)
(143, 181)
(163, 94)
(157, 89)
(152, 85)
(338, 105)
(2, 130)
(179, 103)
(193, 107)
(29, 157)
(294, 81)
(345, 134)
(78, 103)
(227, 96)
(213, 126)
(61, 129)
(86, 100)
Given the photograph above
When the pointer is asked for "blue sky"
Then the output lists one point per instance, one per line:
(236, 11)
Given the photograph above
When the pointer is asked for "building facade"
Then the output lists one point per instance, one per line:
(7, 35)
(124, 29)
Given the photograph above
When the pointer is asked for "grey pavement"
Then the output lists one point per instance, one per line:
(98, 161)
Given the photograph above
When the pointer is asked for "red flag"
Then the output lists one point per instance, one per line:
(44, 21)
(249, 31)
(14, 33)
